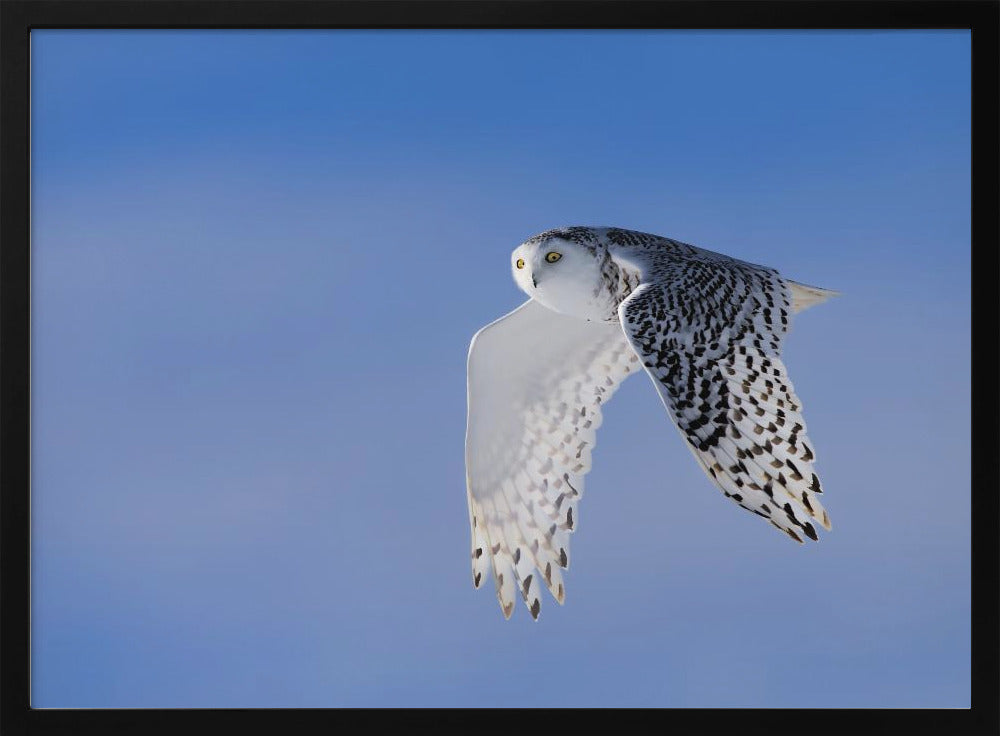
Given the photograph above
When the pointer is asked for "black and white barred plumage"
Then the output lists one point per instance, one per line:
(606, 303)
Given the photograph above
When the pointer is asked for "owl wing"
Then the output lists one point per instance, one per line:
(536, 383)
(708, 330)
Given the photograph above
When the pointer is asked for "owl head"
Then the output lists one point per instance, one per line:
(563, 273)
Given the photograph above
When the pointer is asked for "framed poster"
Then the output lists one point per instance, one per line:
(260, 245)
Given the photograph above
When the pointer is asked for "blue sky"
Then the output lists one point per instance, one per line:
(257, 262)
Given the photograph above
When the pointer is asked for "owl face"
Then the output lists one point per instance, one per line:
(562, 275)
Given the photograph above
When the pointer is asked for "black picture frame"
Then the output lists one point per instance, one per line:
(19, 17)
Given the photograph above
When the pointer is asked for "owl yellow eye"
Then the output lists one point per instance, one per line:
(553, 257)
(520, 263)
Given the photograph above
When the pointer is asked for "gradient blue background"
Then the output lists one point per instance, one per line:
(258, 259)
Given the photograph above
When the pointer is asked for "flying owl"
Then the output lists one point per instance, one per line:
(606, 303)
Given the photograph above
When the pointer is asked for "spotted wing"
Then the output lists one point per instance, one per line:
(536, 383)
(708, 330)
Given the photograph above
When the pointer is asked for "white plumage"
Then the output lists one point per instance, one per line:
(606, 303)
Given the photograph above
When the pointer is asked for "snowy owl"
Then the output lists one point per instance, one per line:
(605, 302)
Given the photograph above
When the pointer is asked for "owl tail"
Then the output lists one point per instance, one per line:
(804, 296)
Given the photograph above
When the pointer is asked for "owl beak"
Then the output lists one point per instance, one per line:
(534, 281)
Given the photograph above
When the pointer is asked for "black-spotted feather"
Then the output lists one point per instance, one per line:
(715, 362)
(537, 381)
